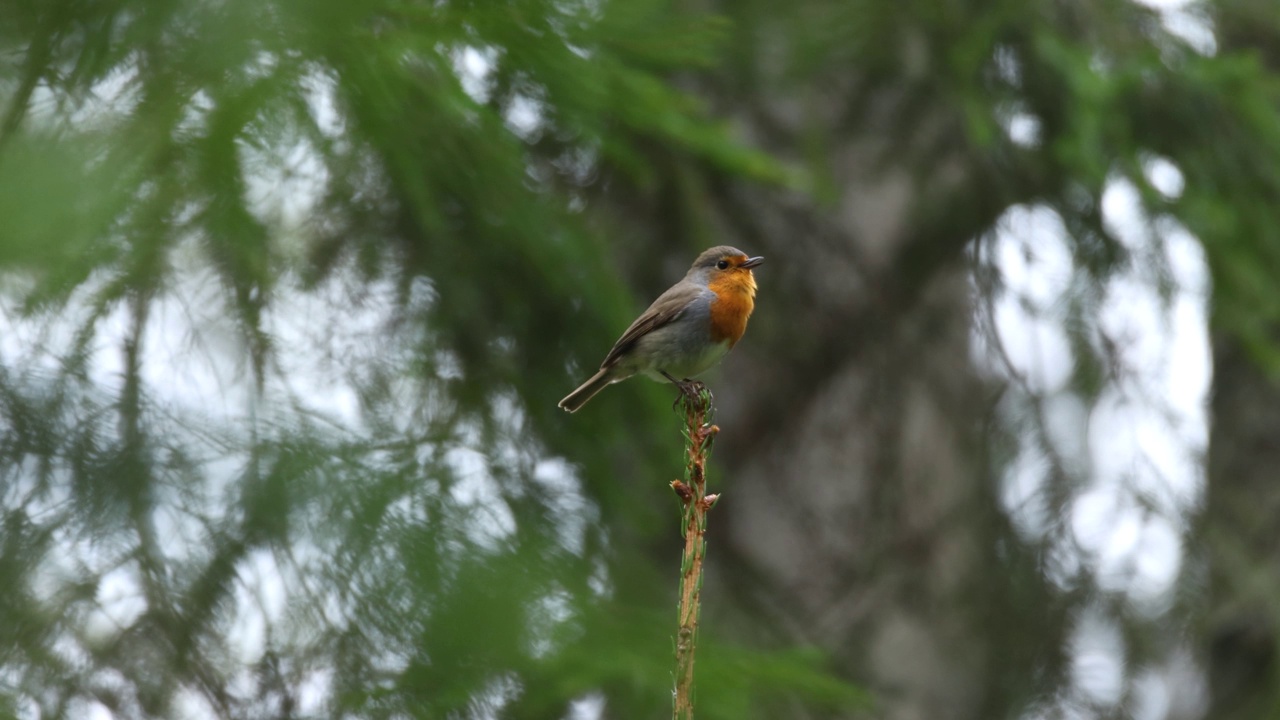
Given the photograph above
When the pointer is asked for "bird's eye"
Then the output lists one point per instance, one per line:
(723, 264)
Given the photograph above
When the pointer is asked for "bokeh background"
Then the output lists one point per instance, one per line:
(289, 290)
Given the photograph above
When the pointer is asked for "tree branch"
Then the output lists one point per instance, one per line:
(38, 53)
(693, 494)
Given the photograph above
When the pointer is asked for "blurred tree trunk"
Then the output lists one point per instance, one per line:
(1241, 536)
(1239, 531)
(864, 529)
(868, 527)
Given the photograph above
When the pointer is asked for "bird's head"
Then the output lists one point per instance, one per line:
(724, 263)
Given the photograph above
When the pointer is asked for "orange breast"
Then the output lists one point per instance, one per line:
(735, 299)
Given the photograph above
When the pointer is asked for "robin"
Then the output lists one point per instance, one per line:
(686, 330)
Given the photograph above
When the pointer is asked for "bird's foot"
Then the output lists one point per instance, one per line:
(691, 392)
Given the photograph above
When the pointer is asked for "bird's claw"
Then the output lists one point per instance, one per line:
(691, 391)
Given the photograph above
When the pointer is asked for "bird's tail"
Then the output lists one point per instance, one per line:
(588, 390)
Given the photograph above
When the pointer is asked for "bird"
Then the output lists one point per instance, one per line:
(688, 329)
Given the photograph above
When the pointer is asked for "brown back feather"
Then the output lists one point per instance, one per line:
(669, 306)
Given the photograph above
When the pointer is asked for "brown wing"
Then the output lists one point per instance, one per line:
(669, 306)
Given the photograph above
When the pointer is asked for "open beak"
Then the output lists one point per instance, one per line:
(752, 262)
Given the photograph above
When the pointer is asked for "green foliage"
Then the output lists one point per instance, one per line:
(441, 186)
(230, 163)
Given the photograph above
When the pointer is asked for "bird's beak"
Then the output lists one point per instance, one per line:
(752, 262)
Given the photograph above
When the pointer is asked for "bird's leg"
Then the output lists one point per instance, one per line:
(689, 389)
